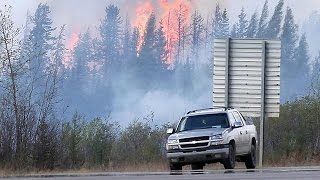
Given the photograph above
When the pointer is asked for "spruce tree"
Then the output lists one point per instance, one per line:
(45, 146)
(225, 24)
(41, 39)
(133, 46)
(301, 58)
(301, 79)
(253, 26)
(274, 25)
(147, 62)
(110, 36)
(126, 42)
(197, 35)
(263, 21)
(59, 52)
(234, 31)
(243, 24)
(217, 23)
(82, 55)
(161, 56)
(289, 40)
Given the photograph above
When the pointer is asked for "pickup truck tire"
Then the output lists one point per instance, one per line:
(251, 159)
(175, 167)
(229, 162)
(197, 166)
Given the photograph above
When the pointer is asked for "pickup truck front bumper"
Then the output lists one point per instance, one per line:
(205, 155)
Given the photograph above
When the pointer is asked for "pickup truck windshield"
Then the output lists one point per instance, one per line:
(219, 120)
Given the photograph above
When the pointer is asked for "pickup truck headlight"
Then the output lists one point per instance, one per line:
(172, 141)
(171, 144)
(216, 139)
(217, 136)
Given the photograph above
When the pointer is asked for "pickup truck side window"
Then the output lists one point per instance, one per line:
(237, 117)
(231, 119)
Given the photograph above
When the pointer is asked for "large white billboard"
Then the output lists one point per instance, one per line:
(247, 76)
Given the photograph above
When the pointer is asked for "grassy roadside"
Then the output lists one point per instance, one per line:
(148, 168)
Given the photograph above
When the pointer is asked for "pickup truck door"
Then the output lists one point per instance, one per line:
(236, 134)
(246, 135)
(241, 133)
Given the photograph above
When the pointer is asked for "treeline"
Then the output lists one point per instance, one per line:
(37, 90)
(123, 63)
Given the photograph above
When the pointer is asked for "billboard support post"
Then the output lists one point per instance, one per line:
(261, 139)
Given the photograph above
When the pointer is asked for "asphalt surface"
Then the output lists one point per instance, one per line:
(273, 174)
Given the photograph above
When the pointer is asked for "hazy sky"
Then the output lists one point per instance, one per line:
(81, 14)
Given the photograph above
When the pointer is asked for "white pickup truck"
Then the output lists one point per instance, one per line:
(212, 135)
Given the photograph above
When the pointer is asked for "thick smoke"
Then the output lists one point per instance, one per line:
(167, 105)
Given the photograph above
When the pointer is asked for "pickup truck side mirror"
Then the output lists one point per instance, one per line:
(237, 125)
(170, 131)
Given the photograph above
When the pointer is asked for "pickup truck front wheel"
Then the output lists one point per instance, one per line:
(229, 163)
(251, 158)
(197, 166)
(175, 167)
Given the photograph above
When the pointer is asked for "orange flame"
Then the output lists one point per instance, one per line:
(175, 16)
(142, 14)
(71, 44)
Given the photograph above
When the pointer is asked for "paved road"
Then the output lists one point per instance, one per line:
(273, 174)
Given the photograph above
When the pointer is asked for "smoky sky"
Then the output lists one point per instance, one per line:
(81, 14)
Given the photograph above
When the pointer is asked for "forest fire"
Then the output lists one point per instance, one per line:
(72, 42)
(175, 17)
(174, 14)
(143, 13)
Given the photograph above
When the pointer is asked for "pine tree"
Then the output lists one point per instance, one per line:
(45, 147)
(59, 51)
(181, 27)
(147, 61)
(110, 35)
(126, 41)
(161, 56)
(274, 26)
(220, 23)
(289, 40)
(301, 58)
(253, 26)
(41, 39)
(243, 24)
(234, 31)
(217, 23)
(71, 141)
(133, 46)
(301, 78)
(225, 24)
(132, 66)
(82, 55)
(160, 48)
(197, 35)
(263, 21)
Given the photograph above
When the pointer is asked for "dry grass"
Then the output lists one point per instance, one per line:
(146, 167)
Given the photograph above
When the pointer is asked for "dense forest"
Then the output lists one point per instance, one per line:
(88, 114)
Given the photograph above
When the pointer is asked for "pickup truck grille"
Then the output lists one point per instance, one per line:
(202, 138)
(194, 145)
(194, 142)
